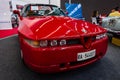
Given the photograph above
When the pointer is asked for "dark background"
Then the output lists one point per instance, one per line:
(88, 6)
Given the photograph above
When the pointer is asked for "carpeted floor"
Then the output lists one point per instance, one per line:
(12, 67)
(7, 33)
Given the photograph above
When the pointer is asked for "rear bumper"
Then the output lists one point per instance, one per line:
(59, 59)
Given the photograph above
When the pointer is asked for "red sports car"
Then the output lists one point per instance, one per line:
(53, 42)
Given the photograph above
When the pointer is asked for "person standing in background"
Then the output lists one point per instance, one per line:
(114, 12)
(95, 17)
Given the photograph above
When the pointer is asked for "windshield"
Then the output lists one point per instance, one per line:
(43, 10)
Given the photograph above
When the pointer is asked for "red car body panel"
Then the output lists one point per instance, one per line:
(59, 58)
(55, 27)
(47, 60)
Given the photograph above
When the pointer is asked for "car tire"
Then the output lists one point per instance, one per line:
(21, 54)
(21, 57)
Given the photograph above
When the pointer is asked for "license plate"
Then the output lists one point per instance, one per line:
(86, 55)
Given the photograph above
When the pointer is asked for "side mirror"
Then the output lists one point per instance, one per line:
(18, 13)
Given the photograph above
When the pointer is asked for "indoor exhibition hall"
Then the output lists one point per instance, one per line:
(59, 40)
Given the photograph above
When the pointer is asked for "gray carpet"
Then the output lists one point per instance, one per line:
(12, 68)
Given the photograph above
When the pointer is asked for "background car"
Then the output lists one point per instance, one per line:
(111, 24)
(53, 42)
